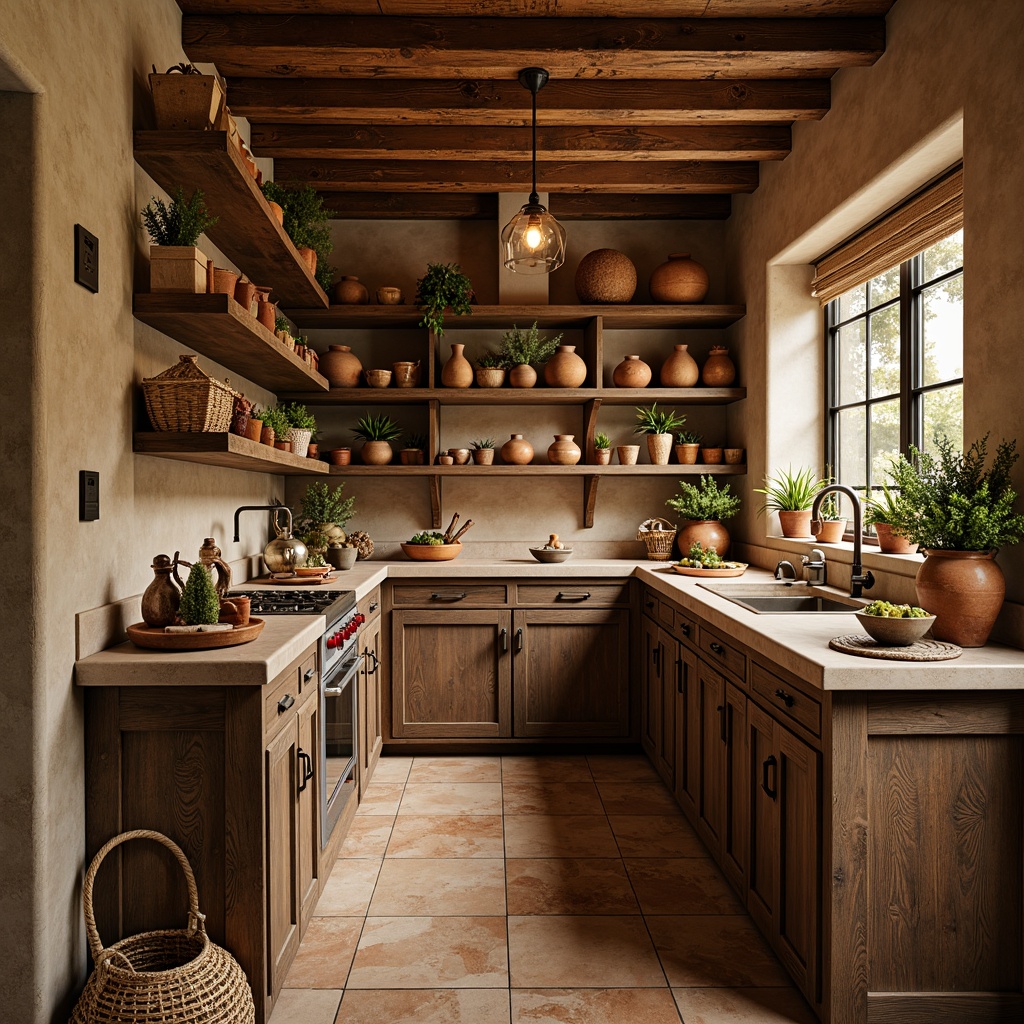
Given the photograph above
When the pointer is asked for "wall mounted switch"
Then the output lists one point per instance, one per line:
(88, 495)
(87, 259)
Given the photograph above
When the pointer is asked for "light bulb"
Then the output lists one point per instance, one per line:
(533, 234)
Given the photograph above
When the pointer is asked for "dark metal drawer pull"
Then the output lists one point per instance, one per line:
(308, 674)
(371, 656)
(717, 648)
(648, 603)
(684, 629)
(285, 703)
(723, 724)
(373, 606)
(786, 698)
(656, 657)
(305, 768)
(766, 767)
(519, 640)
(568, 596)
(448, 597)
(503, 634)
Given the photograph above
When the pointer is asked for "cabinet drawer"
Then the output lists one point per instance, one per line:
(307, 674)
(447, 595)
(369, 605)
(722, 654)
(584, 595)
(784, 697)
(650, 603)
(281, 700)
(684, 628)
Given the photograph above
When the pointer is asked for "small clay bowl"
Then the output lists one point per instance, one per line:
(461, 456)
(377, 378)
(445, 460)
(339, 456)
(389, 296)
(551, 554)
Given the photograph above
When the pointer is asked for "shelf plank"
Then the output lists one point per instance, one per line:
(519, 396)
(229, 451)
(538, 470)
(246, 230)
(222, 329)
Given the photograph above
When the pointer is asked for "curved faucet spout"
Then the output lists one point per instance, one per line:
(860, 580)
(262, 508)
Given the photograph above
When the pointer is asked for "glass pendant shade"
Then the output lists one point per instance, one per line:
(533, 242)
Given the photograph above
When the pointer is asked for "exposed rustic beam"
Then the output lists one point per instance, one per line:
(390, 142)
(492, 102)
(639, 206)
(690, 177)
(326, 46)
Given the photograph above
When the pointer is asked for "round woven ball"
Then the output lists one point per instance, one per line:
(605, 275)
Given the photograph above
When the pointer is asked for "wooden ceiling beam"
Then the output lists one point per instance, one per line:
(563, 102)
(329, 46)
(370, 142)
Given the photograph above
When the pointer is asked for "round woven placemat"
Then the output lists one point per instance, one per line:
(919, 650)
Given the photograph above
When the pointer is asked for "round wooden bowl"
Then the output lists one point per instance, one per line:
(432, 552)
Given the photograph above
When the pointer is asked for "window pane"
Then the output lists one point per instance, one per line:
(852, 447)
(853, 302)
(942, 325)
(943, 416)
(852, 356)
(884, 287)
(885, 438)
(944, 256)
(885, 351)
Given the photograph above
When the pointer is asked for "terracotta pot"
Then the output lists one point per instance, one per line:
(709, 532)
(517, 451)
(409, 456)
(628, 454)
(445, 460)
(890, 543)
(680, 370)
(349, 292)
(681, 280)
(390, 296)
(734, 456)
(711, 456)
(308, 257)
(490, 376)
(460, 456)
(605, 275)
(266, 313)
(312, 450)
(407, 374)
(235, 610)
(339, 456)
(965, 590)
(564, 451)
(458, 371)
(277, 210)
(719, 371)
(341, 368)
(282, 446)
(376, 453)
(245, 295)
(483, 456)
(828, 531)
(224, 282)
(565, 369)
(522, 376)
(602, 456)
(686, 454)
(632, 372)
(254, 429)
(659, 447)
(267, 436)
(796, 523)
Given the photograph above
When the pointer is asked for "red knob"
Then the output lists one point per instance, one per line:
(360, 619)
(332, 642)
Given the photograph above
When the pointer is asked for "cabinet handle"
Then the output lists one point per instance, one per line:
(766, 767)
(656, 657)
(519, 640)
(723, 723)
(308, 674)
(373, 607)
(786, 698)
(503, 635)
(371, 656)
(305, 768)
(446, 597)
(649, 603)
(717, 648)
(685, 629)
(564, 595)
(285, 703)
(679, 676)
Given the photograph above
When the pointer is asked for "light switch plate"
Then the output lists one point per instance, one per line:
(88, 495)
(87, 259)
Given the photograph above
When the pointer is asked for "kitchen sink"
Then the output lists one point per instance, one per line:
(784, 598)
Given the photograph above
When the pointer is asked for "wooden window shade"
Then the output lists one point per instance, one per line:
(924, 220)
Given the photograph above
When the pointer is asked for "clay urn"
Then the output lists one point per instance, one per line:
(517, 451)
(522, 375)
(719, 371)
(680, 280)
(605, 275)
(965, 590)
(632, 372)
(565, 369)
(709, 532)
(564, 451)
(349, 292)
(680, 370)
(458, 371)
(341, 368)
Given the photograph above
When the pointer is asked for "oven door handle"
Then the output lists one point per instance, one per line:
(346, 674)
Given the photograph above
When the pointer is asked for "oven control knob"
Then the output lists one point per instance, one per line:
(360, 619)
(347, 632)
(332, 642)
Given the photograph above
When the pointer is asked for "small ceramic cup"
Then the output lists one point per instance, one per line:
(377, 378)
(389, 296)
(733, 456)
(445, 460)
(628, 454)
(711, 456)
(235, 610)
(339, 456)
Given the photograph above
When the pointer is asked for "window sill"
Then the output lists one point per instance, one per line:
(895, 565)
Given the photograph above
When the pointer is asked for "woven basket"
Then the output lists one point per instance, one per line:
(183, 398)
(658, 535)
(161, 977)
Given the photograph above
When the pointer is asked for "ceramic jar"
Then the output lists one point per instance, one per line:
(965, 590)
(602, 456)
(490, 376)
(680, 370)
(565, 369)
(266, 311)
(406, 374)
(679, 280)
(349, 292)
(162, 597)
(522, 376)
(632, 372)
(686, 454)
(517, 451)
(719, 371)
(605, 275)
(245, 295)
(710, 533)
(458, 371)
(341, 368)
(390, 296)
(564, 451)
(376, 453)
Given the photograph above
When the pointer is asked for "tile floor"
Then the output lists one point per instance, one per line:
(529, 890)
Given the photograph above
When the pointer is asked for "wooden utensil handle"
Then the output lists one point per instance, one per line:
(469, 523)
(451, 526)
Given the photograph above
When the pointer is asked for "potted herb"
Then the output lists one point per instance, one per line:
(307, 225)
(442, 287)
(184, 98)
(301, 423)
(520, 350)
(483, 451)
(659, 427)
(602, 449)
(413, 452)
(254, 429)
(880, 508)
(283, 332)
(830, 525)
(275, 426)
(377, 432)
(200, 605)
(791, 494)
(175, 263)
(960, 513)
(706, 506)
(490, 372)
(323, 515)
(687, 447)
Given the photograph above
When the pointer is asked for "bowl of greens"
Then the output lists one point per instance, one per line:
(894, 625)
(430, 547)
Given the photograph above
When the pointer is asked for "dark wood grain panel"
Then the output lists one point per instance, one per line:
(737, 785)
(935, 714)
(449, 594)
(711, 801)
(948, 1007)
(155, 708)
(572, 593)
(762, 874)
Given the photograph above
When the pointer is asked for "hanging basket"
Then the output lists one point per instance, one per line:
(657, 535)
(184, 398)
(161, 977)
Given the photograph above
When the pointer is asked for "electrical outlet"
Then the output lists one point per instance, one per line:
(88, 495)
(87, 259)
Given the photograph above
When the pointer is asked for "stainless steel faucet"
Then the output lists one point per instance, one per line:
(814, 564)
(785, 570)
(860, 580)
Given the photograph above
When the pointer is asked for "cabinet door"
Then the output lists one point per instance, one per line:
(370, 732)
(451, 673)
(735, 825)
(762, 894)
(571, 672)
(308, 812)
(713, 735)
(650, 687)
(667, 696)
(688, 732)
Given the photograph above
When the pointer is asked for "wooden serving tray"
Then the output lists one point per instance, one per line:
(293, 581)
(154, 637)
(686, 570)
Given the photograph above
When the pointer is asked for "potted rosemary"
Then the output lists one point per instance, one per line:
(175, 262)
(275, 426)
(520, 350)
(443, 287)
(301, 424)
(791, 494)
(659, 426)
(322, 518)
(706, 506)
(307, 225)
(377, 432)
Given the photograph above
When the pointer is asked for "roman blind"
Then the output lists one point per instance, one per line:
(927, 218)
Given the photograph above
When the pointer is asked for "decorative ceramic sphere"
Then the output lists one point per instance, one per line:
(719, 371)
(349, 292)
(679, 280)
(564, 451)
(565, 369)
(341, 368)
(632, 372)
(517, 451)
(605, 275)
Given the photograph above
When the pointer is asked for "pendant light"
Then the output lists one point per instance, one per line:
(533, 242)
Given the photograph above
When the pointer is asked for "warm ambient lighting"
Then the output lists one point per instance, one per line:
(533, 242)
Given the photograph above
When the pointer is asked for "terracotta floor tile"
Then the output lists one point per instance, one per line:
(681, 885)
(544, 768)
(381, 798)
(637, 798)
(622, 768)
(425, 1006)
(451, 798)
(551, 798)
(439, 888)
(326, 953)
(743, 1006)
(367, 837)
(584, 886)
(456, 769)
(392, 769)
(559, 835)
(581, 952)
(431, 952)
(305, 1006)
(699, 952)
(655, 835)
(349, 888)
(594, 1006)
(447, 835)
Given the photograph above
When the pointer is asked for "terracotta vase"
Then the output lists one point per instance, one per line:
(628, 454)
(659, 447)
(483, 456)
(796, 523)
(602, 456)
(564, 451)
(522, 376)
(890, 543)
(828, 531)
(632, 372)
(266, 311)
(277, 210)
(376, 453)
(308, 257)
(341, 368)
(680, 370)
(711, 456)
(719, 371)
(605, 275)
(490, 376)
(686, 454)
(565, 369)
(282, 446)
(709, 532)
(458, 371)
(267, 436)
(254, 429)
(679, 280)
(965, 590)
(245, 295)
(517, 451)
(349, 292)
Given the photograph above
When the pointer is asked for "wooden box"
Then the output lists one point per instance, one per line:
(186, 101)
(177, 268)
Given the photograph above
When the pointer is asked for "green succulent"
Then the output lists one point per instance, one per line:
(602, 441)
(483, 443)
(688, 437)
(881, 506)
(651, 420)
(179, 223)
(377, 428)
(417, 441)
(491, 361)
(789, 491)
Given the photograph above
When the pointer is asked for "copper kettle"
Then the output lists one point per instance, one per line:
(284, 553)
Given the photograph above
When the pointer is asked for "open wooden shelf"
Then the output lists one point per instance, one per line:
(519, 396)
(538, 470)
(229, 451)
(246, 230)
(222, 329)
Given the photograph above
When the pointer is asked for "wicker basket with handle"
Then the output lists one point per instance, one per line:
(657, 535)
(161, 977)
(184, 398)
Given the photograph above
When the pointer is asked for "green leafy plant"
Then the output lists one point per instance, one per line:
(442, 286)
(277, 421)
(418, 441)
(256, 414)
(688, 437)
(299, 416)
(282, 324)
(519, 347)
(491, 361)
(708, 501)
(306, 223)
(787, 491)
(483, 443)
(323, 515)
(829, 509)
(700, 557)
(377, 428)
(881, 506)
(315, 560)
(179, 223)
(432, 538)
(651, 420)
(602, 441)
(200, 605)
(950, 502)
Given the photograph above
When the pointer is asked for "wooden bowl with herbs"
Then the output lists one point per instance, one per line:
(430, 547)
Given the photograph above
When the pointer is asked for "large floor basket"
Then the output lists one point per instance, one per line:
(161, 977)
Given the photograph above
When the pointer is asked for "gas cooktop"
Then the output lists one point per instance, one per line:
(332, 603)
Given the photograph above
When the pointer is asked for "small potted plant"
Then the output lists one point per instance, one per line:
(687, 447)
(830, 525)
(791, 494)
(185, 98)
(880, 508)
(412, 453)
(200, 605)
(377, 432)
(307, 225)
(254, 430)
(283, 332)
(520, 350)
(441, 288)
(483, 451)
(706, 506)
(659, 426)
(301, 424)
(175, 263)
(275, 427)
(490, 370)
(602, 449)
(322, 517)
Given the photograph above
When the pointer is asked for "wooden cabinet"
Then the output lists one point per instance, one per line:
(371, 676)
(661, 699)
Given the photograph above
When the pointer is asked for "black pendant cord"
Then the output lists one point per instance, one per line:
(534, 197)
